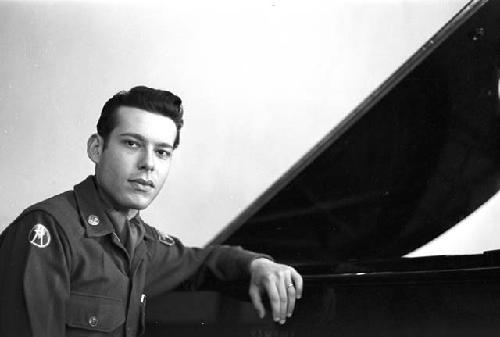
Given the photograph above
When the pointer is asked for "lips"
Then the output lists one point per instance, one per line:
(142, 183)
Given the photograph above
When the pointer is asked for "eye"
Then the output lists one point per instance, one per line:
(164, 154)
(131, 143)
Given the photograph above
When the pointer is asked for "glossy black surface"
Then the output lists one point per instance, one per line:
(433, 303)
(414, 159)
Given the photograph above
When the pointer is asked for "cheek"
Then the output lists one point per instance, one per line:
(161, 182)
(121, 164)
(163, 173)
(114, 173)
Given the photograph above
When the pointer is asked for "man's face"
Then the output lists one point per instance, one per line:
(131, 169)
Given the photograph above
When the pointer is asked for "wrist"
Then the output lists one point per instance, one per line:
(258, 261)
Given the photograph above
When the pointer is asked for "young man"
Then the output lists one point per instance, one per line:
(83, 262)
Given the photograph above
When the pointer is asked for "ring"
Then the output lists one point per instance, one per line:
(289, 285)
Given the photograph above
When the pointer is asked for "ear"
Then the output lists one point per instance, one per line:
(95, 146)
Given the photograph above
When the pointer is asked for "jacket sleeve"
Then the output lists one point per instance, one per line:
(173, 264)
(34, 285)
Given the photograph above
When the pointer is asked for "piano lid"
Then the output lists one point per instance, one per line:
(412, 160)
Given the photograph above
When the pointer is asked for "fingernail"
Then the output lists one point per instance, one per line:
(289, 315)
(282, 321)
(276, 319)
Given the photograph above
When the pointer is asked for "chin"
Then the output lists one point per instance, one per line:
(137, 204)
(142, 206)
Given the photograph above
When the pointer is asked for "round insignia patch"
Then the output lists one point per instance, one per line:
(39, 236)
(93, 220)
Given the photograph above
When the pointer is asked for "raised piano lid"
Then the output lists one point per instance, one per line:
(413, 159)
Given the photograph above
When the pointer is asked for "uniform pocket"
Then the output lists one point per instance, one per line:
(94, 313)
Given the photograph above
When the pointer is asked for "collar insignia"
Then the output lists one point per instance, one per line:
(93, 220)
(165, 239)
(39, 236)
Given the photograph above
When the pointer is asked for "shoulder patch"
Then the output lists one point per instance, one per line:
(39, 236)
(165, 239)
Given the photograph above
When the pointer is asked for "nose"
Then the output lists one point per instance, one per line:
(147, 161)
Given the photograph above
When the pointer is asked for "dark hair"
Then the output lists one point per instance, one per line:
(153, 100)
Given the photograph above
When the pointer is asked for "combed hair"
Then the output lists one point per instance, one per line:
(141, 97)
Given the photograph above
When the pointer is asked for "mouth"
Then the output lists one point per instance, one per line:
(142, 184)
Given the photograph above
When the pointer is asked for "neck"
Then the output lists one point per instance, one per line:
(126, 213)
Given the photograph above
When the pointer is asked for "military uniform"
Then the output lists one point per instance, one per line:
(65, 272)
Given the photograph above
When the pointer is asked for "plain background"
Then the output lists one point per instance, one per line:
(262, 81)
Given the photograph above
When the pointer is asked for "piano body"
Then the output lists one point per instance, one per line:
(415, 158)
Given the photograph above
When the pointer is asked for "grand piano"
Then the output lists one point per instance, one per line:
(419, 155)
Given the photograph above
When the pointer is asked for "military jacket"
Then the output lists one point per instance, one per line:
(64, 271)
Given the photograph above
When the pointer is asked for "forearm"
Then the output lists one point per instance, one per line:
(231, 263)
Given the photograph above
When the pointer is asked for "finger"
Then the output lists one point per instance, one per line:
(283, 298)
(274, 299)
(257, 300)
(297, 280)
(290, 289)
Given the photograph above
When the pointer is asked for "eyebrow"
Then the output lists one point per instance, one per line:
(143, 139)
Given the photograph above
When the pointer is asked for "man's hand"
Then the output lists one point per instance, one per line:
(281, 283)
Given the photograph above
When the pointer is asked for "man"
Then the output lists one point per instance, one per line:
(84, 262)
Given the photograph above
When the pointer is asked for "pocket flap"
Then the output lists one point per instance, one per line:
(93, 312)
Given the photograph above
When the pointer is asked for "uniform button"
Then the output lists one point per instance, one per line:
(93, 321)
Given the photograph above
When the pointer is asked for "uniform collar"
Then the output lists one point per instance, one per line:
(92, 210)
(139, 220)
(118, 219)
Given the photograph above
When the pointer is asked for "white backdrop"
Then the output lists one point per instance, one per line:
(261, 81)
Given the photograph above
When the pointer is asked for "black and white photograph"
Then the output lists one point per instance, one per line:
(264, 168)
